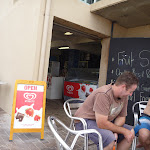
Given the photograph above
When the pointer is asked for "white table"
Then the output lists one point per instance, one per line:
(2, 82)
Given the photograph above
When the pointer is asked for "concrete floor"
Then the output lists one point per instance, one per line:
(31, 141)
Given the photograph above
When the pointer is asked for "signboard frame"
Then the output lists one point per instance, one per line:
(22, 130)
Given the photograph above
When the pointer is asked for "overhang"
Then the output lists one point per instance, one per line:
(127, 13)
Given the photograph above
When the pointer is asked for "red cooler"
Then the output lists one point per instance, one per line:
(77, 90)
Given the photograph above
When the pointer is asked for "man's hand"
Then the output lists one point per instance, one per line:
(103, 123)
(129, 135)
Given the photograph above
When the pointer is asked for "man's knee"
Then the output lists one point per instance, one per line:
(107, 138)
(144, 135)
(110, 146)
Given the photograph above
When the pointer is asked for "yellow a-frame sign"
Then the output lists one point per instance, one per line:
(28, 112)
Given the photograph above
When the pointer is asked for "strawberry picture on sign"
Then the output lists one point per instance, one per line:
(29, 112)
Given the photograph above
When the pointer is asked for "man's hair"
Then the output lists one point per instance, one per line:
(127, 78)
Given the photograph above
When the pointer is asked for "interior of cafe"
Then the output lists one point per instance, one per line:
(74, 57)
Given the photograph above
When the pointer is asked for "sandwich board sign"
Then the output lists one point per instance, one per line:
(28, 112)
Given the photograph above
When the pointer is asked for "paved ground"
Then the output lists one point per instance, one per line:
(31, 141)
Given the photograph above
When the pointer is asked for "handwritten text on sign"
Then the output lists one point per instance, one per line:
(128, 60)
(131, 55)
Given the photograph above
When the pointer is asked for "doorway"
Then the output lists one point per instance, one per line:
(73, 55)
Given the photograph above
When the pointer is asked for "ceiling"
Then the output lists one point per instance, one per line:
(127, 13)
(78, 40)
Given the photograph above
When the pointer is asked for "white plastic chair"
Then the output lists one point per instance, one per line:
(137, 110)
(61, 144)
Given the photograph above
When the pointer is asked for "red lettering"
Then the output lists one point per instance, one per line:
(25, 87)
(30, 87)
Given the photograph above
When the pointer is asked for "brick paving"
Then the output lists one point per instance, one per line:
(31, 141)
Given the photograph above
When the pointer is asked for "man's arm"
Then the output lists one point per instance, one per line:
(120, 121)
(103, 123)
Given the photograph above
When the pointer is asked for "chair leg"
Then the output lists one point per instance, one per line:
(134, 144)
(66, 138)
(86, 142)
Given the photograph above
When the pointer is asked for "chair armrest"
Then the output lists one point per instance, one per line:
(82, 120)
(87, 131)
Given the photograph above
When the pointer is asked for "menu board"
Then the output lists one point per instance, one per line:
(131, 54)
(28, 111)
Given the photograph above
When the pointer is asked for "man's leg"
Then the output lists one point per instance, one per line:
(108, 137)
(110, 146)
(144, 138)
(124, 144)
(144, 132)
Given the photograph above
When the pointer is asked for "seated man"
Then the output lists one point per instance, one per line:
(105, 110)
(143, 128)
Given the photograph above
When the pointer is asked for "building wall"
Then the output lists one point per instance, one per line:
(78, 12)
(5, 6)
(18, 37)
(142, 31)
